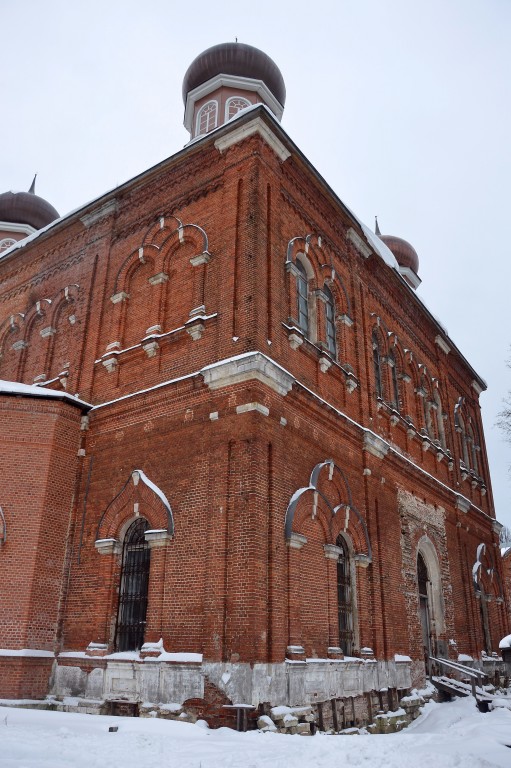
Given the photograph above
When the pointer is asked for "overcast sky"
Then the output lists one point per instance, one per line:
(404, 108)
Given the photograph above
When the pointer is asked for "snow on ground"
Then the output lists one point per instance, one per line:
(445, 736)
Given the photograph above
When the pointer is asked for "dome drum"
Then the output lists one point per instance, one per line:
(224, 72)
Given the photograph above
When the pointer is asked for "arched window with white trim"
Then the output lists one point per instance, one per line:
(234, 105)
(207, 117)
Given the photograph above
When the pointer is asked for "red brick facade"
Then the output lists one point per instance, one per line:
(171, 306)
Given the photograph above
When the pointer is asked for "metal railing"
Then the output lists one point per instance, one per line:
(473, 674)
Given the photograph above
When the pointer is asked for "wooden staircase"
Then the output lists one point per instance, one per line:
(469, 682)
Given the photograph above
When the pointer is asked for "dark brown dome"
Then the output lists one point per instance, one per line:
(406, 255)
(235, 59)
(26, 208)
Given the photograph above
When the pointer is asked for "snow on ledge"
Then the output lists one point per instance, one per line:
(400, 657)
(30, 652)
(505, 642)
(32, 390)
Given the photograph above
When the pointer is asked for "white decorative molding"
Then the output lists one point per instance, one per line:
(478, 389)
(296, 541)
(324, 364)
(412, 277)
(201, 258)
(118, 297)
(462, 503)
(256, 126)
(25, 229)
(194, 328)
(332, 551)
(151, 348)
(346, 319)
(99, 213)
(246, 407)
(48, 331)
(110, 364)
(157, 538)
(359, 244)
(247, 367)
(19, 345)
(375, 445)
(441, 342)
(158, 279)
(362, 561)
(295, 340)
(108, 546)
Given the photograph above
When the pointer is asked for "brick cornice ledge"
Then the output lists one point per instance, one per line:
(247, 367)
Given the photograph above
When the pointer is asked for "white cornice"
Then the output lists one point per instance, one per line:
(254, 126)
(411, 276)
(26, 229)
(230, 81)
(359, 244)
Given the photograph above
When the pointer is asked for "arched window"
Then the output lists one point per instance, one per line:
(330, 320)
(131, 616)
(463, 440)
(234, 105)
(6, 243)
(393, 379)
(302, 298)
(344, 597)
(439, 418)
(471, 447)
(207, 118)
(377, 365)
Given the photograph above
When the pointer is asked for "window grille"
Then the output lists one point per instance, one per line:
(131, 617)
(344, 597)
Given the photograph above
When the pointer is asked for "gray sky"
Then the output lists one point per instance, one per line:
(404, 107)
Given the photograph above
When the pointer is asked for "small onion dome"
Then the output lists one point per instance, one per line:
(235, 59)
(406, 255)
(26, 208)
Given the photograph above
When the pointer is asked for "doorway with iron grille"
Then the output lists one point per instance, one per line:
(131, 615)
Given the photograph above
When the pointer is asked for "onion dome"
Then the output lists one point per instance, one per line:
(26, 208)
(239, 60)
(406, 255)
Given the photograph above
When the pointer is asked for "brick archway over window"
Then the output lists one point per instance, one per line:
(138, 496)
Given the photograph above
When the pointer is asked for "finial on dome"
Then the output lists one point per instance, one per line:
(32, 186)
(376, 227)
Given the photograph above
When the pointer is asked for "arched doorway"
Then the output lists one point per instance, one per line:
(422, 581)
(131, 616)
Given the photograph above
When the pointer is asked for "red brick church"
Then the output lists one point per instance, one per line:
(241, 461)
